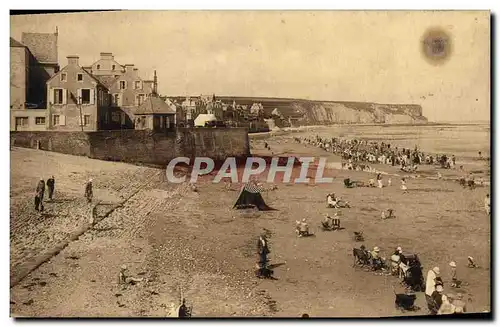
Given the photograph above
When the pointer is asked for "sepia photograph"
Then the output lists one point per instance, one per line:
(248, 164)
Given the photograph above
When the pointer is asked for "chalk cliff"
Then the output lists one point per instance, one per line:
(316, 112)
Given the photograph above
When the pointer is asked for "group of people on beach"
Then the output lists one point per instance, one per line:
(51, 184)
(40, 192)
(357, 151)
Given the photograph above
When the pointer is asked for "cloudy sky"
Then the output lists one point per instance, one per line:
(320, 55)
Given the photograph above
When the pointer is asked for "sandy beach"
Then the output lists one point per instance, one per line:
(195, 243)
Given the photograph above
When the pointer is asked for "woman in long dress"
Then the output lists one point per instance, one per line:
(379, 180)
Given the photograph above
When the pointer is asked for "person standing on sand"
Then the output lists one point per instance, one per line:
(430, 287)
(40, 191)
(487, 206)
(262, 252)
(379, 180)
(88, 191)
(51, 185)
(403, 185)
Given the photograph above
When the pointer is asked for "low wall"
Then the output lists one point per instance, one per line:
(141, 147)
(75, 143)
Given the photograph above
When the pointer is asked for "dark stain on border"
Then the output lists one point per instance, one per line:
(436, 46)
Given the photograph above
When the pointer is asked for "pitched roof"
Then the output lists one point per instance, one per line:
(154, 105)
(43, 46)
(106, 80)
(16, 44)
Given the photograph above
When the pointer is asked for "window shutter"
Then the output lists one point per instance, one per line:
(122, 118)
(62, 120)
(120, 100)
(78, 96)
(92, 94)
(65, 96)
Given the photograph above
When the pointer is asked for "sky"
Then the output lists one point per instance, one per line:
(319, 55)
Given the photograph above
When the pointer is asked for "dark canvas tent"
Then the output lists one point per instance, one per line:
(250, 196)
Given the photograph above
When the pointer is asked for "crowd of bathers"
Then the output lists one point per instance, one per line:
(358, 151)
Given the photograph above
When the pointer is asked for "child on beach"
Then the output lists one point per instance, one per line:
(403, 185)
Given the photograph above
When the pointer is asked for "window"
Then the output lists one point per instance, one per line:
(58, 96)
(116, 99)
(140, 99)
(79, 77)
(40, 120)
(123, 85)
(113, 67)
(98, 66)
(137, 85)
(85, 96)
(55, 120)
(116, 76)
(21, 121)
(64, 77)
(86, 120)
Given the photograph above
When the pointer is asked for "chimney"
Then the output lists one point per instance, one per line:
(155, 84)
(107, 56)
(129, 67)
(73, 60)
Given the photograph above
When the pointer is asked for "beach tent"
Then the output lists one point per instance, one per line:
(250, 196)
(204, 118)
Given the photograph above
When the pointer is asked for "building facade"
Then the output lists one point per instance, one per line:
(106, 66)
(77, 100)
(32, 63)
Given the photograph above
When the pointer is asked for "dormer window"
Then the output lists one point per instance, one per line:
(79, 77)
(98, 66)
(64, 77)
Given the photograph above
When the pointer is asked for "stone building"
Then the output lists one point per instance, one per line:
(155, 114)
(77, 100)
(106, 66)
(32, 63)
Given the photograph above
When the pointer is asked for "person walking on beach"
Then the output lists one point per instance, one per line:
(88, 191)
(487, 204)
(40, 191)
(50, 185)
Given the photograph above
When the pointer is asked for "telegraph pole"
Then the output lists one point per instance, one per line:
(79, 104)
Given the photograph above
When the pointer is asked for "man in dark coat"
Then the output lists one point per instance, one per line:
(262, 251)
(50, 185)
(88, 191)
(40, 191)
